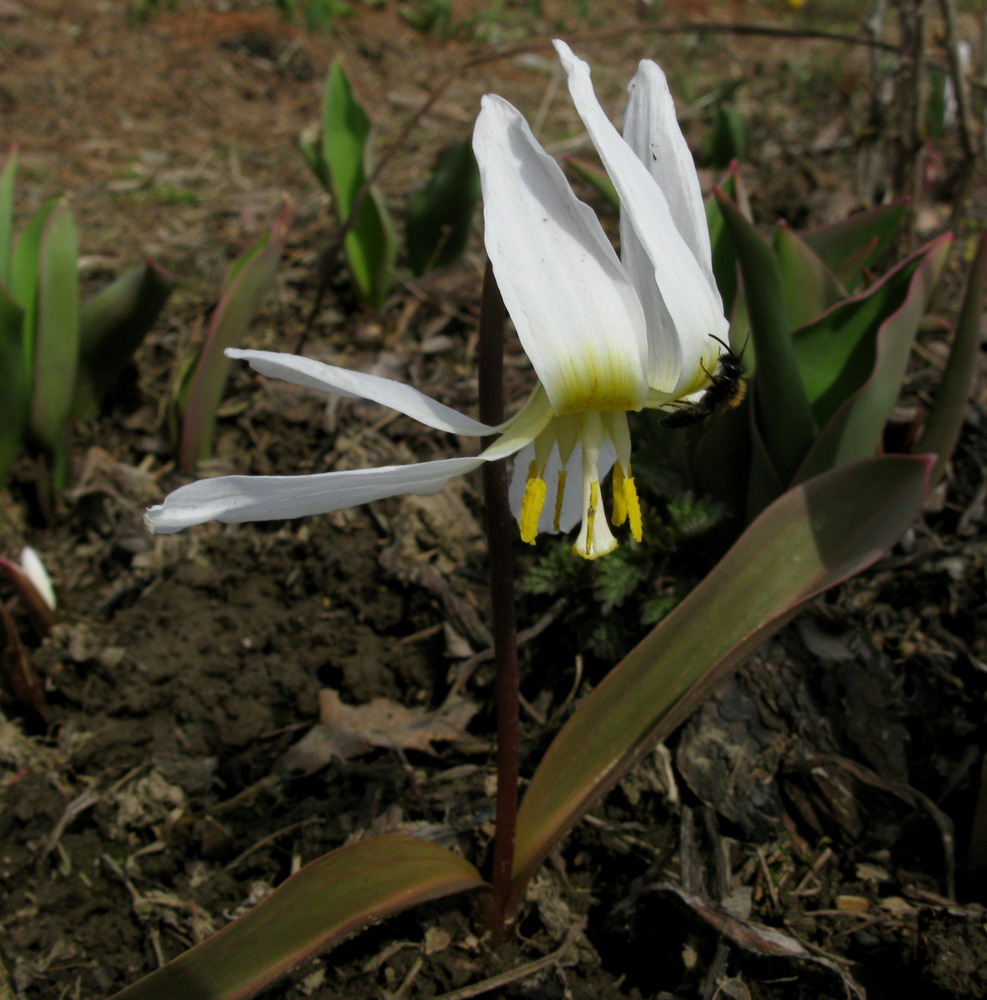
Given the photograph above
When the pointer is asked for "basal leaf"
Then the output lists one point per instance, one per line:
(14, 386)
(370, 245)
(857, 426)
(945, 418)
(56, 339)
(112, 325)
(330, 898)
(809, 285)
(7, 177)
(24, 269)
(439, 215)
(781, 408)
(850, 246)
(247, 282)
(811, 538)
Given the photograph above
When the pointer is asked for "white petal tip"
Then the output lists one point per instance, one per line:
(34, 570)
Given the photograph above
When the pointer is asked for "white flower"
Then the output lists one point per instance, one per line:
(605, 336)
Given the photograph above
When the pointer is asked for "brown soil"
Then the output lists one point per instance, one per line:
(827, 792)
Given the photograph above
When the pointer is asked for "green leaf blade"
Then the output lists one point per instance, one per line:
(8, 177)
(852, 245)
(945, 419)
(112, 325)
(370, 244)
(857, 425)
(248, 280)
(14, 387)
(439, 215)
(56, 340)
(781, 407)
(811, 538)
(331, 897)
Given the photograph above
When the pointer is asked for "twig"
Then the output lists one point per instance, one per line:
(504, 978)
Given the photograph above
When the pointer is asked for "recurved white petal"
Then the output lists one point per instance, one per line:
(652, 130)
(264, 498)
(578, 318)
(693, 307)
(342, 382)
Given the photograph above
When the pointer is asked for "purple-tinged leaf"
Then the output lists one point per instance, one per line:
(329, 898)
(17, 670)
(945, 419)
(857, 426)
(852, 245)
(809, 539)
(247, 281)
(41, 613)
(810, 286)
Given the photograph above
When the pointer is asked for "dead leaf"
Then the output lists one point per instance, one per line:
(346, 731)
(385, 723)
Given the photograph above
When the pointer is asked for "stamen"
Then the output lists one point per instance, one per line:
(532, 503)
(632, 506)
(559, 496)
(590, 518)
(619, 503)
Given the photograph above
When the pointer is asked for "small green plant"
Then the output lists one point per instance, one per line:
(199, 387)
(318, 15)
(439, 214)
(58, 356)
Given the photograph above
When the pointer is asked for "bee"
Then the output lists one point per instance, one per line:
(726, 389)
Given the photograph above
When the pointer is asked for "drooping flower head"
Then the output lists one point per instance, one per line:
(605, 335)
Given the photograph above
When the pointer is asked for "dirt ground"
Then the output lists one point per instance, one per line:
(828, 792)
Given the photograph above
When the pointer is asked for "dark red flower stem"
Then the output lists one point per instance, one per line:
(500, 538)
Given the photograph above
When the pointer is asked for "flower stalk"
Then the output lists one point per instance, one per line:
(500, 535)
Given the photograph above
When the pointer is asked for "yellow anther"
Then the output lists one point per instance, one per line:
(559, 495)
(532, 502)
(632, 507)
(619, 501)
